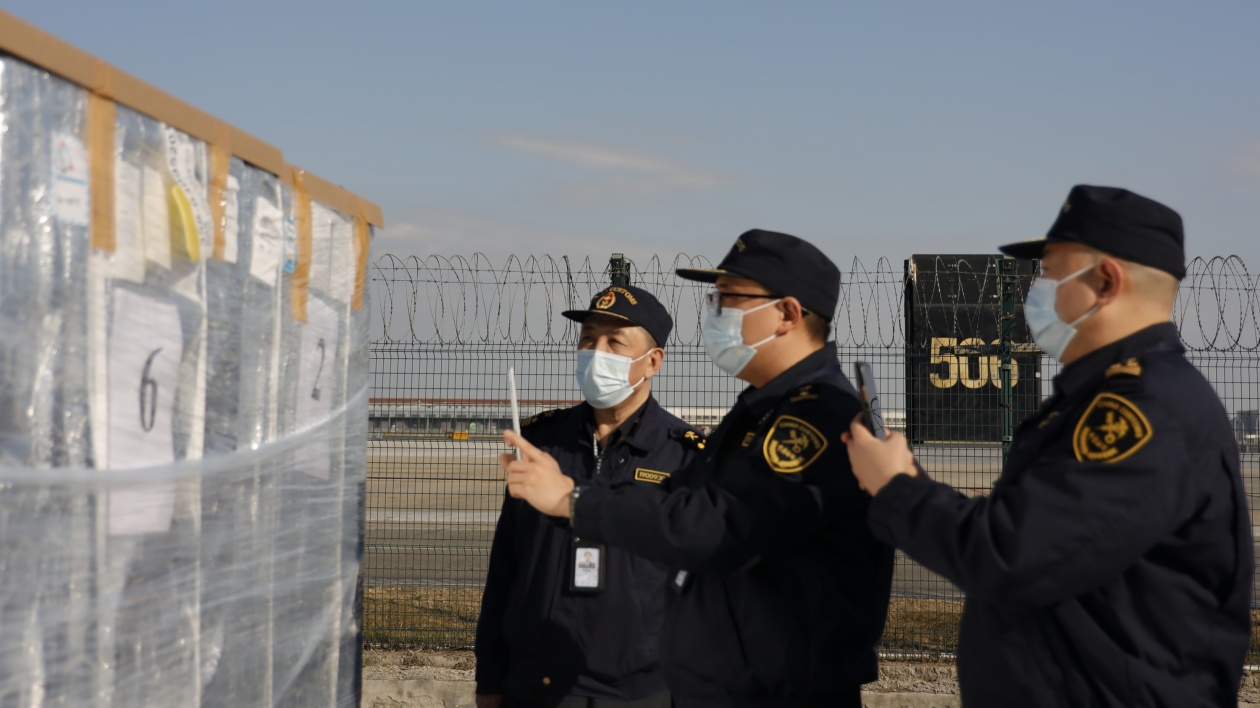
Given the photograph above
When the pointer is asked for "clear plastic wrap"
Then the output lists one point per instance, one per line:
(182, 437)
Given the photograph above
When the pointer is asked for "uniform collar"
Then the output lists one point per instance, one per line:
(760, 400)
(634, 431)
(1157, 337)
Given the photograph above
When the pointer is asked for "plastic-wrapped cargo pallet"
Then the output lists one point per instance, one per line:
(183, 401)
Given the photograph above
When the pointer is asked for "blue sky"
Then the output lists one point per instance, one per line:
(581, 128)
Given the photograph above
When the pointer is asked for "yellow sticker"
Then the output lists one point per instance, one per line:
(792, 445)
(643, 474)
(184, 236)
(1111, 429)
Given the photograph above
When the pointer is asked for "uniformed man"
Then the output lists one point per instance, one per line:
(1112, 563)
(779, 591)
(563, 624)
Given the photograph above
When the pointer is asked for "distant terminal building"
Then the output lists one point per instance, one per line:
(474, 417)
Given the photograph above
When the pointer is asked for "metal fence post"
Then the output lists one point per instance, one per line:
(1008, 282)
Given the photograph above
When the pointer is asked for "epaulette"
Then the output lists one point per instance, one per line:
(1128, 367)
(805, 392)
(539, 417)
(689, 437)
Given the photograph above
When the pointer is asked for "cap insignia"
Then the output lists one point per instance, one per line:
(606, 301)
(1067, 206)
(739, 245)
(625, 293)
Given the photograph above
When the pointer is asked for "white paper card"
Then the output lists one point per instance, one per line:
(128, 259)
(70, 180)
(316, 382)
(321, 247)
(232, 220)
(267, 239)
(156, 219)
(186, 160)
(145, 348)
(344, 261)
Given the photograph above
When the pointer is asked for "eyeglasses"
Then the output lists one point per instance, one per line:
(714, 298)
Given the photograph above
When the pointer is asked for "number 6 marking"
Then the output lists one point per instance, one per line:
(148, 394)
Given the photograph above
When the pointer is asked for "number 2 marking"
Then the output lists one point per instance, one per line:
(148, 394)
(315, 389)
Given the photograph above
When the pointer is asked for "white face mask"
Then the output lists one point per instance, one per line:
(1048, 331)
(723, 336)
(605, 378)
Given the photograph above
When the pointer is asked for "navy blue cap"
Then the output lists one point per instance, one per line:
(1117, 222)
(785, 264)
(635, 305)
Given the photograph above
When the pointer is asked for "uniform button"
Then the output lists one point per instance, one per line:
(546, 681)
(622, 461)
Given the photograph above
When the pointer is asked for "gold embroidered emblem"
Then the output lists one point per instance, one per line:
(748, 438)
(792, 445)
(643, 474)
(804, 393)
(606, 301)
(695, 439)
(1128, 367)
(1111, 429)
(629, 296)
(739, 244)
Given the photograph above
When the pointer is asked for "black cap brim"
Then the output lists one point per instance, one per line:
(581, 315)
(704, 275)
(709, 275)
(1030, 250)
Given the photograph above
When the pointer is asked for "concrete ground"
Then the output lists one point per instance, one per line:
(417, 679)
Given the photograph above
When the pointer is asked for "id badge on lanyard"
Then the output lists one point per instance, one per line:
(586, 566)
(586, 560)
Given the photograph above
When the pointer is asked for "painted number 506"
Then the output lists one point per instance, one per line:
(960, 369)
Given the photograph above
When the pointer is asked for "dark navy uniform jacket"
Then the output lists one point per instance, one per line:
(1112, 563)
(537, 637)
(784, 590)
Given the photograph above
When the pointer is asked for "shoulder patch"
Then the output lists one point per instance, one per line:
(791, 445)
(533, 419)
(1111, 429)
(1128, 367)
(644, 474)
(689, 437)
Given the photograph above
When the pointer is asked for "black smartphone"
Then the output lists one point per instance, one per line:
(869, 396)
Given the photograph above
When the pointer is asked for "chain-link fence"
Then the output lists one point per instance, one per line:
(445, 331)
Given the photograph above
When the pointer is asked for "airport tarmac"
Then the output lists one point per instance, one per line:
(432, 505)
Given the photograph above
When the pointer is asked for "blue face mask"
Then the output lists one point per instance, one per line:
(723, 336)
(1048, 331)
(605, 378)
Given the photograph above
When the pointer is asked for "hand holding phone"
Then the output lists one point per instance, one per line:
(867, 393)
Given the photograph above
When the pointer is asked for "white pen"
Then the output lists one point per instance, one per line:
(516, 411)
